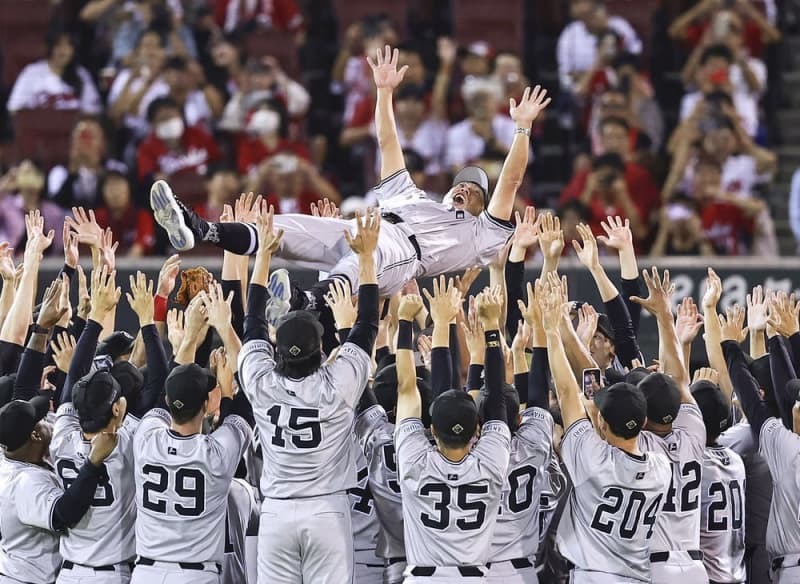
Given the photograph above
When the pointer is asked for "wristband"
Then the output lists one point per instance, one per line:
(405, 335)
(159, 308)
(38, 329)
(492, 339)
(526, 131)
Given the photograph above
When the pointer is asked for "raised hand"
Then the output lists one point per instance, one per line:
(65, 303)
(368, 227)
(140, 298)
(758, 309)
(784, 314)
(108, 249)
(84, 298)
(85, 227)
(63, 347)
(218, 308)
(445, 303)
(529, 107)
(410, 305)
(530, 312)
(522, 340)
(340, 300)
(688, 322)
(175, 332)
(465, 281)
(225, 371)
(325, 208)
(526, 233)
(425, 346)
(473, 333)
(195, 317)
(618, 233)
(489, 305)
(706, 374)
(384, 68)
(168, 275)
(105, 293)
(71, 253)
(713, 292)
(587, 324)
(659, 299)
(37, 240)
(246, 208)
(7, 268)
(551, 237)
(732, 324)
(268, 239)
(551, 305)
(588, 253)
(52, 304)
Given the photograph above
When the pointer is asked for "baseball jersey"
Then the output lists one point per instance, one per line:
(450, 508)
(105, 535)
(362, 507)
(722, 515)
(678, 525)
(306, 425)
(29, 547)
(376, 436)
(758, 481)
(781, 449)
(182, 485)
(516, 534)
(612, 509)
(450, 239)
(241, 520)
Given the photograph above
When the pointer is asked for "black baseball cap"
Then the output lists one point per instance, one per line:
(793, 389)
(637, 374)
(298, 335)
(188, 387)
(605, 327)
(130, 379)
(714, 406)
(454, 415)
(475, 175)
(116, 345)
(93, 396)
(623, 407)
(511, 400)
(7, 388)
(384, 386)
(663, 397)
(18, 419)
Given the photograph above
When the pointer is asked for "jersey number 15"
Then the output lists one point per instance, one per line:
(300, 419)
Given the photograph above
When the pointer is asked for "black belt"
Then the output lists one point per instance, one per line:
(520, 563)
(67, 565)
(664, 556)
(394, 219)
(392, 561)
(200, 566)
(465, 571)
(778, 563)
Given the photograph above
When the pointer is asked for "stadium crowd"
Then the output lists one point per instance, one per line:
(180, 90)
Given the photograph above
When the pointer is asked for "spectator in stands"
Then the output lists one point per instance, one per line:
(292, 184)
(485, 136)
(76, 183)
(572, 213)
(476, 59)
(612, 187)
(263, 80)
(223, 63)
(223, 187)
(266, 135)
(248, 15)
(508, 72)
(692, 25)
(173, 147)
(165, 17)
(680, 230)
(794, 206)
(132, 227)
(21, 190)
(56, 82)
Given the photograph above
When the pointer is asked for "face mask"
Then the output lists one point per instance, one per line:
(170, 130)
(264, 122)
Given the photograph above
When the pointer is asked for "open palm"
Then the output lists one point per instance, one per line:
(529, 107)
(384, 68)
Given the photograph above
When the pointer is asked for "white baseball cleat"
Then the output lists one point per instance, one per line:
(168, 213)
(280, 292)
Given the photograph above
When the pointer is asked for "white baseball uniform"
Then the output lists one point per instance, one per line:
(781, 449)
(676, 541)
(306, 429)
(369, 567)
(241, 521)
(516, 535)
(105, 535)
(722, 505)
(182, 485)
(612, 509)
(450, 508)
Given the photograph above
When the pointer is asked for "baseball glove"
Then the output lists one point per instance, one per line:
(193, 281)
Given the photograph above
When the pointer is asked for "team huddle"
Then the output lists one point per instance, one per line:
(366, 431)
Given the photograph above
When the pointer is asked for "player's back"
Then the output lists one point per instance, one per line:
(105, 535)
(722, 515)
(516, 534)
(362, 510)
(450, 508)
(182, 485)
(781, 448)
(375, 434)
(240, 520)
(612, 509)
(678, 525)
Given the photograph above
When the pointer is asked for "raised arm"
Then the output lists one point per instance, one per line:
(255, 319)
(409, 403)
(687, 326)
(219, 312)
(757, 318)
(489, 306)
(551, 242)
(526, 236)
(8, 273)
(713, 333)
(444, 306)
(530, 106)
(364, 244)
(539, 374)
(387, 77)
(196, 325)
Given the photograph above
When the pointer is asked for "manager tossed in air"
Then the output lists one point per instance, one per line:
(418, 237)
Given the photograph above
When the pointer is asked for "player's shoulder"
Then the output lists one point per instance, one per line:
(722, 456)
(153, 421)
(535, 420)
(372, 421)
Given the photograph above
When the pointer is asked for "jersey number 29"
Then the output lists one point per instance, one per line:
(189, 483)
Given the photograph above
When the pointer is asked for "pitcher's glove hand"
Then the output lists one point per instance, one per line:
(193, 281)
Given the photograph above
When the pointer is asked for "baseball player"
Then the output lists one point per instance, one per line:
(241, 522)
(368, 566)
(305, 411)
(722, 499)
(450, 490)
(183, 479)
(618, 489)
(420, 236)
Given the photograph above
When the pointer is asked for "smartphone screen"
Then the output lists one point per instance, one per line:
(591, 382)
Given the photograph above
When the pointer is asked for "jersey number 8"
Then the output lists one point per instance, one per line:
(103, 496)
(189, 483)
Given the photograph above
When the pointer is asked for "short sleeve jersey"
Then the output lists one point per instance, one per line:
(611, 512)
(105, 535)
(450, 239)
(781, 449)
(182, 485)
(450, 508)
(305, 425)
(678, 526)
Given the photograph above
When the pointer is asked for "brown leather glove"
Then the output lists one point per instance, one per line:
(193, 281)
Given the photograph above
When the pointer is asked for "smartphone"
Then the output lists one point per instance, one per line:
(105, 362)
(591, 382)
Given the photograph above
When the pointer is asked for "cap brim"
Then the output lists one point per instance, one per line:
(41, 406)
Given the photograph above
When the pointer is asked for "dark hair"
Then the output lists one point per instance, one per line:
(222, 166)
(70, 75)
(716, 51)
(184, 415)
(410, 91)
(297, 368)
(453, 441)
(614, 121)
(160, 103)
(718, 98)
(279, 108)
(410, 47)
(177, 63)
(706, 160)
(576, 206)
(625, 59)
(413, 160)
(609, 159)
(686, 201)
(162, 39)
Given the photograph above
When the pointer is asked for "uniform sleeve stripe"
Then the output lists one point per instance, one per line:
(571, 427)
(390, 177)
(499, 222)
